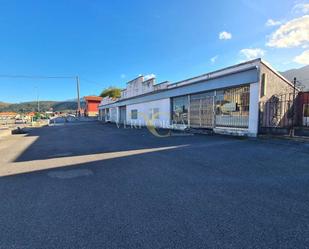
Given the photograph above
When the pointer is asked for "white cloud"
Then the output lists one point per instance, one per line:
(301, 8)
(303, 58)
(271, 22)
(294, 33)
(252, 53)
(149, 76)
(122, 76)
(213, 59)
(225, 35)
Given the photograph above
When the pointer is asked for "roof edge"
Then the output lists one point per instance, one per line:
(266, 64)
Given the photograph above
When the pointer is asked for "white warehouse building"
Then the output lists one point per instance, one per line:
(225, 101)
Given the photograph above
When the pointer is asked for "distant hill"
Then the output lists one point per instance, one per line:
(2, 104)
(44, 106)
(301, 74)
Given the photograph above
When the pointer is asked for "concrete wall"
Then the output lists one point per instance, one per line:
(275, 85)
(144, 110)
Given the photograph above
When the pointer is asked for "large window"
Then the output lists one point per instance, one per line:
(232, 107)
(134, 114)
(180, 110)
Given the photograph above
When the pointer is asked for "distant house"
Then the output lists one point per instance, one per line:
(8, 115)
(29, 116)
(92, 105)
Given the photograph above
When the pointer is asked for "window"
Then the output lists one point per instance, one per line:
(180, 110)
(232, 107)
(134, 114)
(263, 85)
(154, 113)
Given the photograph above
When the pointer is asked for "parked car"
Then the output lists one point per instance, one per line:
(19, 121)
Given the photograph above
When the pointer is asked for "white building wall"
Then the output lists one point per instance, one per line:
(143, 113)
(254, 109)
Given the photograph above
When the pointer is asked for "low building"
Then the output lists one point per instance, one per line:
(104, 114)
(226, 101)
(92, 104)
(8, 115)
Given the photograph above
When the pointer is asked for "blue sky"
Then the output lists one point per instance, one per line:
(108, 43)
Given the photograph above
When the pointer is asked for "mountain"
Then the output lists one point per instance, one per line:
(62, 106)
(3, 104)
(301, 74)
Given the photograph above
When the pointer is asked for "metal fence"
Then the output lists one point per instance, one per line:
(277, 112)
(284, 113)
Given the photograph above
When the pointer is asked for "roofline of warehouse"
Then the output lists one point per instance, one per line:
(207, 77)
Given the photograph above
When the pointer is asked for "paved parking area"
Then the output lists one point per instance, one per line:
(96, 186)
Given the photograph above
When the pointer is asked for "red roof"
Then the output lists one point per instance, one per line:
(8, 113)
(93, 98)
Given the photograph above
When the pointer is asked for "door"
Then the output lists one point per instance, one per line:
(122, 114)
(207, 112)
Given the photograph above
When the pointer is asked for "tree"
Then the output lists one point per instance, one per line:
(112, 92)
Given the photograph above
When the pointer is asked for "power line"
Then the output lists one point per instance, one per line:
(35, 77)
(92, 82)
(47, 77)
(303, 79)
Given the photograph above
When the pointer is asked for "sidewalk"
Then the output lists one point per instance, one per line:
(5, 133)
(302, 139)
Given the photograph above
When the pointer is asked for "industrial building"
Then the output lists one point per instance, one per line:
(227, 101)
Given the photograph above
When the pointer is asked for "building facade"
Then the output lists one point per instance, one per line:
(92, 104)
(226, 101)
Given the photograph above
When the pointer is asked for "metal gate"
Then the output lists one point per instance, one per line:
(202, 111)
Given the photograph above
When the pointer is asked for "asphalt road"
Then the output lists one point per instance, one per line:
(96, 186)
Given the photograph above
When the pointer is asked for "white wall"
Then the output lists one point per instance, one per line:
(254, 109)
(144, 109)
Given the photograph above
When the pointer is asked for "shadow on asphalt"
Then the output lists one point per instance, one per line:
(95, 138)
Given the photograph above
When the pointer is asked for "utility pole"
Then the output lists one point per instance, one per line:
(38, 105)
(294, 107)
(78, 98)
(37, 99)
